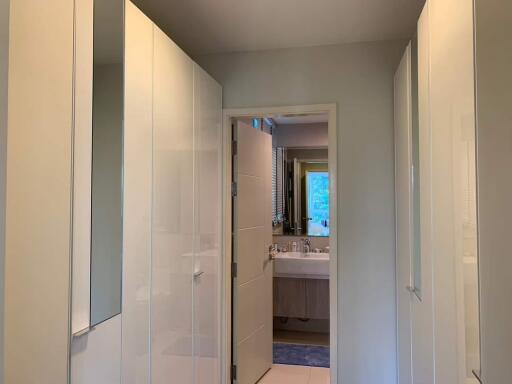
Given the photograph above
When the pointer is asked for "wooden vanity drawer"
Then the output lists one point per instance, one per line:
(301, 298)
(289, 297)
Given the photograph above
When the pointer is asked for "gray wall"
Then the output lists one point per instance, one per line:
(301, 135)
(4, 59)
(494, 161)
(359, 78)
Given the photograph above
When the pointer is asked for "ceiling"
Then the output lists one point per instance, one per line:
(300, 119)
(213, 26)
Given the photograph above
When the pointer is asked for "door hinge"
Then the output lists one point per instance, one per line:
(234, 148)
(233, 372)
(234, 189)
(234, 270)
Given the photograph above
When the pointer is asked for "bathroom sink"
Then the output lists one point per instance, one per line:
(302, 265)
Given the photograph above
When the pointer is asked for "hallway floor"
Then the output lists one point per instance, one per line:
(295, 374)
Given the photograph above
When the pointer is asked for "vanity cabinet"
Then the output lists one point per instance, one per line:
(317, 299)
(301, 298)
(289, 297)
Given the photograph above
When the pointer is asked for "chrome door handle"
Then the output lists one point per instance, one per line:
(198, 274)
(411, 289)
(272, 252)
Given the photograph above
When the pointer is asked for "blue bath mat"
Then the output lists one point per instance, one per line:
(299, 354)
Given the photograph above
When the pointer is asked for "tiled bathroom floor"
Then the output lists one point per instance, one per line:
(295, 374)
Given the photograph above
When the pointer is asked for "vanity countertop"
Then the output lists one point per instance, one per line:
(302, 265)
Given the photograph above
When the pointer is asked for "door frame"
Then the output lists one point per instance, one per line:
(226, 248)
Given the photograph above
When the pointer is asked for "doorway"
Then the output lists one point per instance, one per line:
(265, 338)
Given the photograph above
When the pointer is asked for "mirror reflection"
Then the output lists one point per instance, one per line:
(107, 159)
(300, 176)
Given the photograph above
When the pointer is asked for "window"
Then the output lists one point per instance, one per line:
(317, 206)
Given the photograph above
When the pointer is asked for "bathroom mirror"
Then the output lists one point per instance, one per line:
(300, 191)
(107, 160)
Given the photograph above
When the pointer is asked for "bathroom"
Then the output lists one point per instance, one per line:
(300, 232)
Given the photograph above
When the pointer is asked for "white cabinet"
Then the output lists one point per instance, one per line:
(173, 213)
(137, 180)
(442, 327)
(172, 240)
(207, 226)
(38, 191)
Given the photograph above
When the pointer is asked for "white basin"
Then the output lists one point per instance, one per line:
(302, 265)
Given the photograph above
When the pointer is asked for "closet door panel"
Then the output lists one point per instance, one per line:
(173, 214)
(422, 319)
(38, 194)
(137, 171)
(403, 124)
(452, 130)
(207, 223)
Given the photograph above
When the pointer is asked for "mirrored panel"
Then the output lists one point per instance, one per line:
(107, 160)
(300, 191)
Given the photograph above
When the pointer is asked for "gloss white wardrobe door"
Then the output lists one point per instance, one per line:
(38, 192)
(422, 319)
(403, 214)
(137, 171)
(207, 223)
(173, 213)
(452, 122)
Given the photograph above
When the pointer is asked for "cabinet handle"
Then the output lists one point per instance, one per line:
(83, 332)
(411, 289)
(198, 274)
(272, 252)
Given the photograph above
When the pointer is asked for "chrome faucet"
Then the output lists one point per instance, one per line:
(307, 245)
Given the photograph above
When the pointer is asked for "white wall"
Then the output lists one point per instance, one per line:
(359, 78)
(494, 138)
(4, 61)
(38, 201)
(301, 135)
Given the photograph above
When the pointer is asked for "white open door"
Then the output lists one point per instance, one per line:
(252, 236)
(403, 161)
